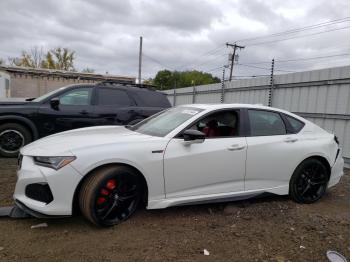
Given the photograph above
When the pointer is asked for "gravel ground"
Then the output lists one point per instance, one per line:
(266, 229)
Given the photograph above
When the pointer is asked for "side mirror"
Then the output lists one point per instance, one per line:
(55, 102)
(193, 137)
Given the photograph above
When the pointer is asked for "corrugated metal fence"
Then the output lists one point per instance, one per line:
(321, 96)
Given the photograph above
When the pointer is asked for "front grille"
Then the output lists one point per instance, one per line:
(39, 192)
(19, 161)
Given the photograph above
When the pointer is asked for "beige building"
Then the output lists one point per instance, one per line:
(31, 82)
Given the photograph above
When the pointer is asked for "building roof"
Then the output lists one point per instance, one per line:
(64, 74)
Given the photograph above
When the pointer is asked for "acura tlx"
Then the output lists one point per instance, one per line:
(184, 155)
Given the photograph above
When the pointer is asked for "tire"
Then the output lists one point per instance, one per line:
(110, 195)
(309, 181)
(12, 137)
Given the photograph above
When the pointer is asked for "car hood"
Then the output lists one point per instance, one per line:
(14, 101)
(64, 143)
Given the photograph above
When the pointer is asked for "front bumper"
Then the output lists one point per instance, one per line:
(62, 183)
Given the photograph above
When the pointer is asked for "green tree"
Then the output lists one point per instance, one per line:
(166, 79)
(2, 62)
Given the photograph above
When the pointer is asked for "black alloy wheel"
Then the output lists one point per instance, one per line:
(110, 196)
(309, 181)
(12, 138)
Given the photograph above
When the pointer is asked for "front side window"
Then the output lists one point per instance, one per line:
(165, 122)
(265, 123)
(112, 97)
(77, 97)
(219, 124)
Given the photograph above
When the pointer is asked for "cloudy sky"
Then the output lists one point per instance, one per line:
(181, 34)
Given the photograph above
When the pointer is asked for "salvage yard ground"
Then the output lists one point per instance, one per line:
(267, 229)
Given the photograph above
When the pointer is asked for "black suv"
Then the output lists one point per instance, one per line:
(75, 106)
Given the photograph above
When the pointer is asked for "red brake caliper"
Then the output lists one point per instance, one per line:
(104, 192)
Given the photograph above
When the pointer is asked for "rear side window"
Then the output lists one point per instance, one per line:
(265, 123)
(296, 124)
(151, 98)
(112, 97)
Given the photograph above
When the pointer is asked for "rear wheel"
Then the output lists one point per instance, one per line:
(309, 181)
(12, 137)
(110, 195)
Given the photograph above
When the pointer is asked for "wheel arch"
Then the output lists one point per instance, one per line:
(75, 202)
(27, 123)
(322, 159)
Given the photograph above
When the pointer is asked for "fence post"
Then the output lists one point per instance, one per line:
(271, 83)
(174, 98)
(223, 86)
(194, 95)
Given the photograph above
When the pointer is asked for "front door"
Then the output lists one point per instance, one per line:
(215, 166)
(74, 111)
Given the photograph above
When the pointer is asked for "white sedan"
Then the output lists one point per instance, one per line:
(184, 155)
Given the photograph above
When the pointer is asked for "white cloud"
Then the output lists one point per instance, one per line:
(178, 34)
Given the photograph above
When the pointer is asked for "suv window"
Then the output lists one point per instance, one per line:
(219, 124)
(112, 97)
(265, 123)
(150, 98)
(77, 97)
(296, 124)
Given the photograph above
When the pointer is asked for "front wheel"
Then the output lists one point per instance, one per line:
(309, 181)
(110, 195)
(12, 137)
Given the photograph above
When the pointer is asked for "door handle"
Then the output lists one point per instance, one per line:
(235, 147)
(290, 140)
(83, 112)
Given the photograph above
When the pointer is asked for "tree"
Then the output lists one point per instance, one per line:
(88, 70)
(63, 58)
(2, 62)
(33, 58)
(166, 79)
(57, 58)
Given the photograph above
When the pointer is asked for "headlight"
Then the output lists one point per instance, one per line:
(55, 162)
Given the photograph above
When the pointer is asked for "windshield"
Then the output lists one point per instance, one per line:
(166, 121)
(43, 97)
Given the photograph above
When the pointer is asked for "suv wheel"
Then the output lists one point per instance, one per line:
(12, 138)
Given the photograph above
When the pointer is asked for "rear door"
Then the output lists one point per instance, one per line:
(113, 106)
(273, 153)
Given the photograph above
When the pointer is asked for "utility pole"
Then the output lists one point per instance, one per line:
(271, 82)
(140, 60)
(234, 46)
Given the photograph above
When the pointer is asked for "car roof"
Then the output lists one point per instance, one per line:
(210, 107)
(222, 106)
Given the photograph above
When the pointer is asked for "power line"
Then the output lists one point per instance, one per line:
(306, 35)
(297, 30)
(156, 61)
(208, 54)
(264, 68)
(299, 59)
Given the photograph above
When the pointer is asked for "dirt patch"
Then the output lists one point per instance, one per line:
(266, 229)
